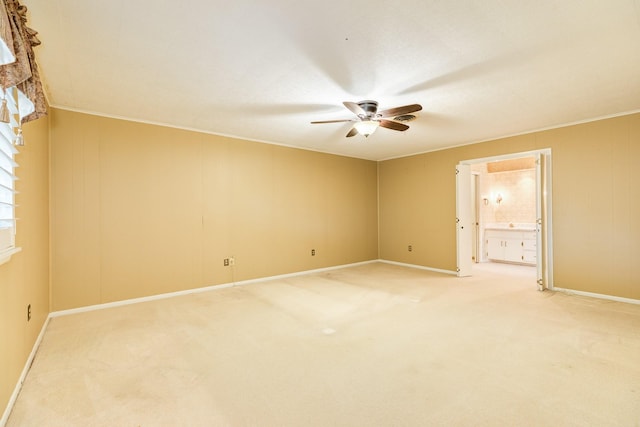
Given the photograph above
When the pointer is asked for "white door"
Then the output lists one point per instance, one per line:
(475, 218)
(463, 219)
(540, 226)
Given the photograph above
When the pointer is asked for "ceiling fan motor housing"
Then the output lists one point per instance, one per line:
(369, 107)
(369, 118)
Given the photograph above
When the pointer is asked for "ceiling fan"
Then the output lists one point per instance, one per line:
(369, 118)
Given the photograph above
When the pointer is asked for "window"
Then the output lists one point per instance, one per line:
(7, 181)
(18, 69)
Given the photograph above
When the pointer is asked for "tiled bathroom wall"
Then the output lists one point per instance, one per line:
(517, 191)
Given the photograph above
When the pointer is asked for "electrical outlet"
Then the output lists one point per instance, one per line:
(313, 252)
(232, 261)
(225, 262)
(28, 312)
(410, 248)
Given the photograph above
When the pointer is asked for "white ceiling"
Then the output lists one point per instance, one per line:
(262, 70)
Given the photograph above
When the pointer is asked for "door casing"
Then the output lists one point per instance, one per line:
(544, 262)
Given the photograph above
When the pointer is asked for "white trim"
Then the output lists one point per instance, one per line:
(23, 375)
(378, 209)
(541, 193)
(509, 156)
(122, 303)
(36, 345)
(198, 290)
(317, 150)
(29, 362)
(599, 296)
(526, 132)
(463, 219)
(420, 267)
(548, 192)
(203, 131)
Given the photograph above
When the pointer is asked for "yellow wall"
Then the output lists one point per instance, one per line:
(139, 210)
(596, 204)
(24, 279)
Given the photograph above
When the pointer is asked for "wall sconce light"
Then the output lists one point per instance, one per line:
(499, 198)
(485, 200)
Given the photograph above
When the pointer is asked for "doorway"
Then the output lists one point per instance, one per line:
(503, 213)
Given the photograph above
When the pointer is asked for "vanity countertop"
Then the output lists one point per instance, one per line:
(511, 226)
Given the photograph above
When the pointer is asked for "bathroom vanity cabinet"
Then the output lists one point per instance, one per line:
(511, 245)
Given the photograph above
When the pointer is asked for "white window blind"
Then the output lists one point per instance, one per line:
(6, 55)
(7, 180)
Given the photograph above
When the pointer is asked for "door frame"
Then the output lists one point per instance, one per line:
(475, 217)
(463, 219)
(544, 226)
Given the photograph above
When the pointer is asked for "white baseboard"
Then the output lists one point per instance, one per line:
(420, 267)
(36, 345)
(23, 375)
(600, 296)
(198, 290)
(14, 396)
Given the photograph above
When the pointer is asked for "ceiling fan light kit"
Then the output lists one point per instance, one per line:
(369, 119)
(366, 127)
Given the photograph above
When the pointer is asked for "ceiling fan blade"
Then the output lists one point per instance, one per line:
(393, 125)
(398, 111)
(352, 132)
(333, 121)
(355, 108)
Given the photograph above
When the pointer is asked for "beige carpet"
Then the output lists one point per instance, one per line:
(372, 345)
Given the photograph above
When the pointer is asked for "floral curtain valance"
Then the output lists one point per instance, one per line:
(18, 60)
